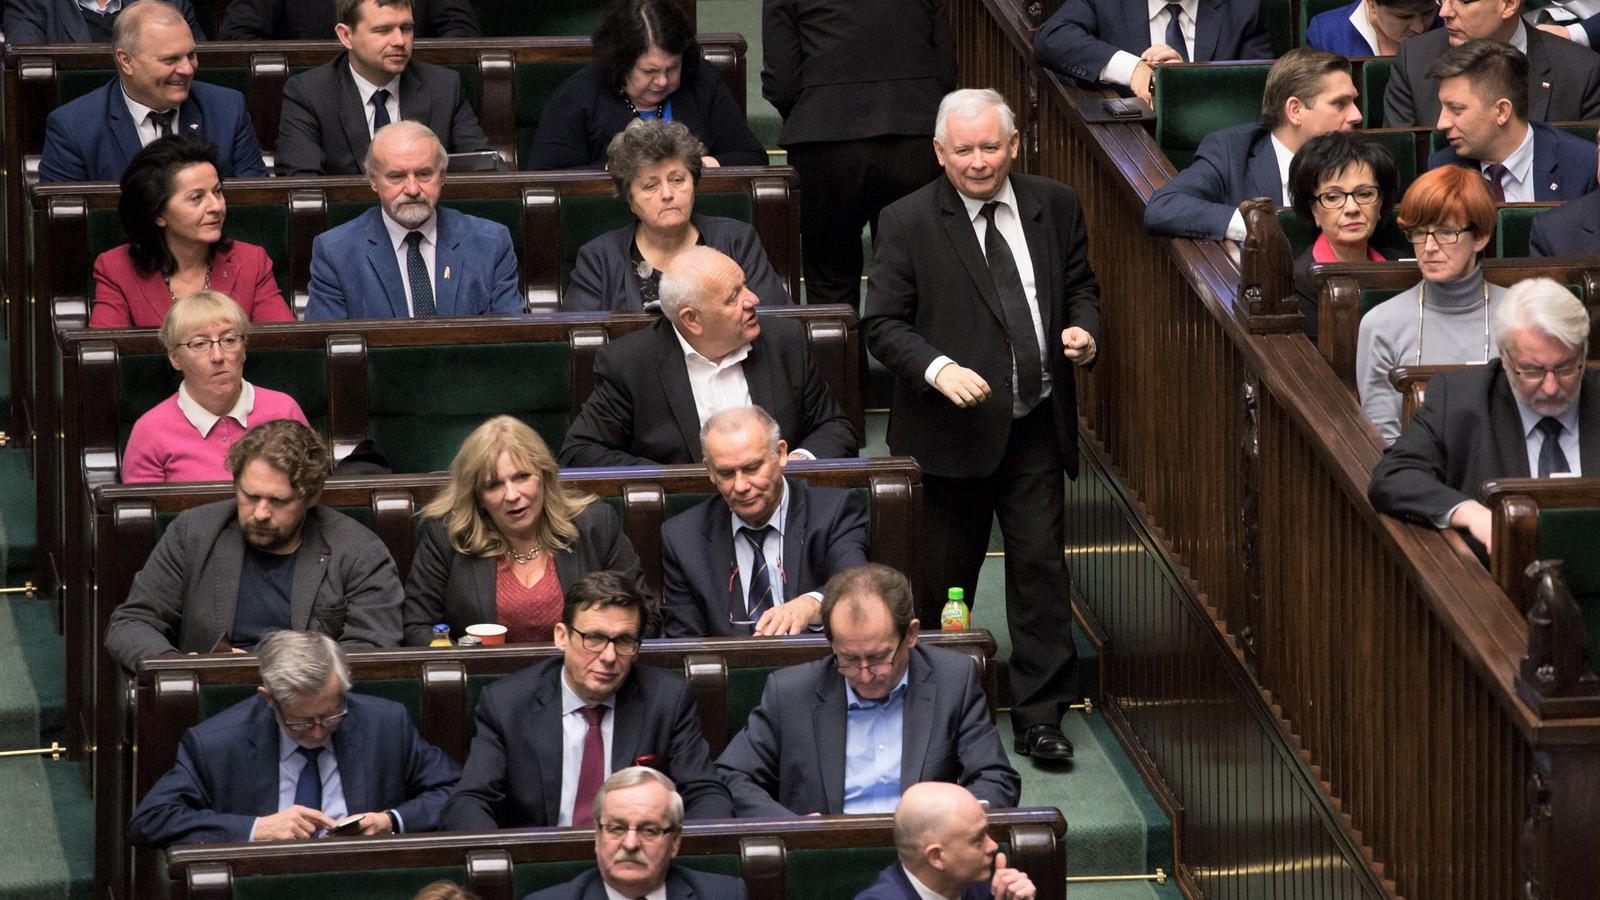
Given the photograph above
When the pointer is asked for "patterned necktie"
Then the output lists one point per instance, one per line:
(1014, 304)
(308, 790)
(1175, 32)
(592, 773)
(380, 109)
(1551, 458)
(760, 597)
(1495, 175)
(163, 122)
(417, 274)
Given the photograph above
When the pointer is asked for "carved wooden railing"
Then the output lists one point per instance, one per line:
(1385, 651)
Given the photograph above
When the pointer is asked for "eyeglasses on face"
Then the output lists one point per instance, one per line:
(1333, 198)
(1536, 374)
(594, 642)
(649, 833)
(228, 342)
(1441, 236)
(869, 664)
(319, 722)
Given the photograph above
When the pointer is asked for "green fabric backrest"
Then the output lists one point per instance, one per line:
(1403, 147)
(586, 218)
(471, 84)
(1193, 102)
(533, 876)
(1571, 536)
(1281, 25)
(1374, 81)
(373, 884)
(1584, 130)
(105, 232)
(148, 379)
(1371, 297)
(1310, 9)
(264, 224)
(516, 18)
(1301, 233)
(1511, 229)
(420, 430)
(534, 81)
(744, 694)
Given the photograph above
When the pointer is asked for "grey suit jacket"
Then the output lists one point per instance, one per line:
(1563, 80)
(789, 761)
(184, 599)
(323, 130)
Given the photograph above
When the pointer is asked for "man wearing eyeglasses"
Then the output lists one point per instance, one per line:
(638, 817)
(549, 736)
(296, 759)
(1532, 412)
(849, 732)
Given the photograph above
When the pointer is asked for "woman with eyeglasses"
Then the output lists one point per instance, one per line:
(505, 539)
(1448, 216)
(186, 436)
(1345, 186)
(172, 210)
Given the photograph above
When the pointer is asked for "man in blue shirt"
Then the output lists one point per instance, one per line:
(900, 713)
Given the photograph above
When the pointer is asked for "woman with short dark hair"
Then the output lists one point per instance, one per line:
(172, 211)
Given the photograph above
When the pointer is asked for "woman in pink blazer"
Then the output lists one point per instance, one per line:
(172, 210)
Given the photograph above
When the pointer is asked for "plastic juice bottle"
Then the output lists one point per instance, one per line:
(954, 616)
(441, 636)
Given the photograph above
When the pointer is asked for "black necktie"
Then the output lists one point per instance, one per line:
(417, 274)
(1014, 303)
(1175, 32)
(380, 109)
(163, 122)
(308, 790)
(760, 598)
(1551, 459)
(1495, 174)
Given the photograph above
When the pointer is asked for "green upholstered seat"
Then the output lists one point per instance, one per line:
(516, 18)
(1402, 145)
(533, 82)
(148, 379)
(1301, 233)
(1193, 101)
(1374, 81)
(366, 884)
(1310, 9)
(530, 877)
(1571, 536)
(1511, 229)
(1371, 297)
(1281, 25)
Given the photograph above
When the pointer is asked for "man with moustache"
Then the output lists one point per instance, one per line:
(409, 257)
(226, 574)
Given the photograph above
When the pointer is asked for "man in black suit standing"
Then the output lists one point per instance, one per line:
(857, 83)
(331, 112)
(981, 302)
(313, 20)
(1534, 411)
(753, 559)
(548, 736)
(655, 388)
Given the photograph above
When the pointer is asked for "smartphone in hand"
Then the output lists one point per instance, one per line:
(348, 825)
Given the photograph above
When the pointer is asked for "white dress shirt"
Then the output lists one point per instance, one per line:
(428, 248)
(141, 120)
(366, 89)
(1119, 69)
(1518, 183)
(716, 385)
(204, 420)
(1534, 438)
(574, 729)
(923, 891)
(612, 893)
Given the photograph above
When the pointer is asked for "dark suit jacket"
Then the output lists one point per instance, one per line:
(445, 586)
(1591, 27)
(92, 138)
(1467, 432)
(886, 61)
(930, 295)
(126, 296)
(789, 760)
(227, 774)
(185, 597)
(1083, 35)
(299, 20)
(642, 411)
(826, 533)
(892, 884)
(61, 22)
(1572, 229)
(356, 275)
(513, 774)
(323, 130)
(603, 278)
(1563, 80)
(1563, 164)
(683, 883)
(1230, 167)
(585, 113)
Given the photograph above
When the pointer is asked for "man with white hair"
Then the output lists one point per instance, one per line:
(1534, 411)
(982, 302)
(941, 835)
(409, 257)
(655, 388)
(638, 825)
(260, 770)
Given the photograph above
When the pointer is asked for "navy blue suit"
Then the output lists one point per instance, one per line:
(227, 774)
(93, 138)
(1563, 164)
(892, 884)
(1083, 35)
(683, 883)
(1230, 167)
(61, 22)
(1572, 229)
(1591, 27)
(1334, 32)
(355, 273)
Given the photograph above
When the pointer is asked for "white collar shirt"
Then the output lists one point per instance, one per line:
(1363, 27)
(141, 119)
(744, 555)
(204, 420)
(923, 891)
(1284, 156)
(1518, 182)
(1007, 219)
(716, 385)
(366, 89)
(1186, 23)
(428, 248)
(660, 893)
(574, 729)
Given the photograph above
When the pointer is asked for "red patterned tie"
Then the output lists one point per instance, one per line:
(593, 771)
(1495, 174)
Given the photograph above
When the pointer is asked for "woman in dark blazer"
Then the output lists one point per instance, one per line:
(656, 169)
(504, 540)
(646, 65)
(172, 210)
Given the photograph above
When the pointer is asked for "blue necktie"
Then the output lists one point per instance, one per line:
(308, 790)
(417, 274)
(380, 109)
(760, 599)
(1175, 32)
(1551, 458)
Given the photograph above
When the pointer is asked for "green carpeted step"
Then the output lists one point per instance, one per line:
(1124, 890)
(18, 526)
(47, 841)
(19, 698)
(31, 624)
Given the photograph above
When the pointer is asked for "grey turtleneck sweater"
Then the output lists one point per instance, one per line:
(1453, 333)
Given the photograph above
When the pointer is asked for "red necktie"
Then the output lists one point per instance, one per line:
(593, 771)
(1495, 174)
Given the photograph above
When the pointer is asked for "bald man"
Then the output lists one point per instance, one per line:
(941, 835)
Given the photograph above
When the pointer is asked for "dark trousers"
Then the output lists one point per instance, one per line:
(843, 186)
(1026, 493)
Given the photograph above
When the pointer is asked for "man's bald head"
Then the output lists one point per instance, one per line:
(686, 283)
(704, 295)
(926, 814)
(127, 26)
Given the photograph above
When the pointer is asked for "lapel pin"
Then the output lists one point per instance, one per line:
(194, 126)
(1545, 85)
(1554, 186)
(447, 273)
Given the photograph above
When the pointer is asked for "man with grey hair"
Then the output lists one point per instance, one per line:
(753, 559)
(262, 769)
(982, 303)
(1533, 411)
(638, 826)
(154, 94)
(655, 388)
(408, 256)
(941, 835)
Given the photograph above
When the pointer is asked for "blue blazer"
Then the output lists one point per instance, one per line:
(1230, 167)
(1563, 164)
(1334, 32)
(61, 22)
(683, 883)
(892, 884)
(1571, 229)
(354, 273)
(1591, 27)
(93, 137)
(1083, 35)
(227, 774)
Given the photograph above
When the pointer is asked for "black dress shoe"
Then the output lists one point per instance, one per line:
(1045, 743)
